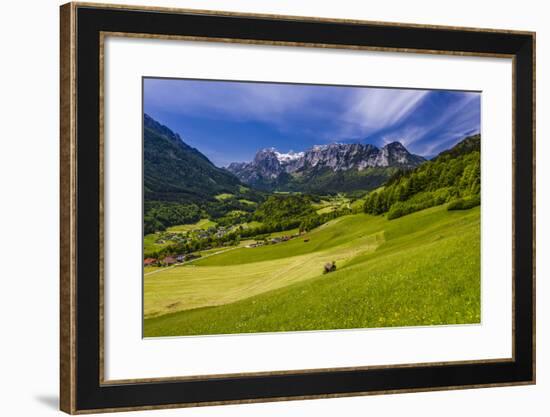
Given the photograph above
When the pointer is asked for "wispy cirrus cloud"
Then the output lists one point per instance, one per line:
(449, 118)
(237, 101)
(373, 109)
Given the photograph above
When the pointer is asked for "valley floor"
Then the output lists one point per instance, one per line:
(420, 269)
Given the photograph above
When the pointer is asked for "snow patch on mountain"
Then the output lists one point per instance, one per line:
(290, 156)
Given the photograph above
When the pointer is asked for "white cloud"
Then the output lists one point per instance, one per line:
(378, 108)
(453, 123)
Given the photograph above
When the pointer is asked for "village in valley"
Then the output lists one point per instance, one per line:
(247, 228)
(213, 240)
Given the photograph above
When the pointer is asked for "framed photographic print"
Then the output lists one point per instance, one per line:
(265, 208)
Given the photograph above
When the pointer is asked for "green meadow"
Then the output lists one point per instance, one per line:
(334, 203)
(202, 224)
(223, 196)
(419, 269)
(150, 242)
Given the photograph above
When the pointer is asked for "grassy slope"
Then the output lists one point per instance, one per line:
(252, 224)
(248, 202)
(341, 231)
(150, 245)
(201, 224)
(424, 271)
(223, 196)
(331, 204)
(192, 286)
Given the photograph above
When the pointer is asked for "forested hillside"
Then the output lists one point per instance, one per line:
(453, 176)
(174, 171)
(181, 184)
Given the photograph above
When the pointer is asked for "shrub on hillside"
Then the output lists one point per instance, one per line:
(419, 202)
(401, 209)
(464, 203)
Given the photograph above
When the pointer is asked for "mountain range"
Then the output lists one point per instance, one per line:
(175, 171)
(181, 185)
(332, 167)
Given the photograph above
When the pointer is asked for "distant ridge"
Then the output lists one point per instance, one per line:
(466, 145)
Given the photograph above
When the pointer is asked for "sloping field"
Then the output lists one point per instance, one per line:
(202, 224)
(191, 286)
(337, 232)
(420, 269)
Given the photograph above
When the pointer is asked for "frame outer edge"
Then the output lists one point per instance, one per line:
(67, 185)
(68, 194)
(230, 13)
(534, 214)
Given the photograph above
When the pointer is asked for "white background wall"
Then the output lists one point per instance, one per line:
(29, 207)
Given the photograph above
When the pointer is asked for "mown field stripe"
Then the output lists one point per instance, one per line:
(191, 286)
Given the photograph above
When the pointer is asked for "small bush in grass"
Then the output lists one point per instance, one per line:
(419, 202)
(464, 203)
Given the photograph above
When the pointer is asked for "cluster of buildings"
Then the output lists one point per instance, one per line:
(169, 260)
(182, 237)
(179, 259)
(272, 241)
(174, 237)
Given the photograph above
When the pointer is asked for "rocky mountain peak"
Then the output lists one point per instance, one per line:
(265, 154)
(395, 145)
(269, 164)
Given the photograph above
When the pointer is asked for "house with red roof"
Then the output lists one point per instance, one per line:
(149, 261)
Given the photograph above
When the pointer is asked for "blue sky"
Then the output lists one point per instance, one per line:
(229, 121)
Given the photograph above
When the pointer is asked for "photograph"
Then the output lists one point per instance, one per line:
(279, 207)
